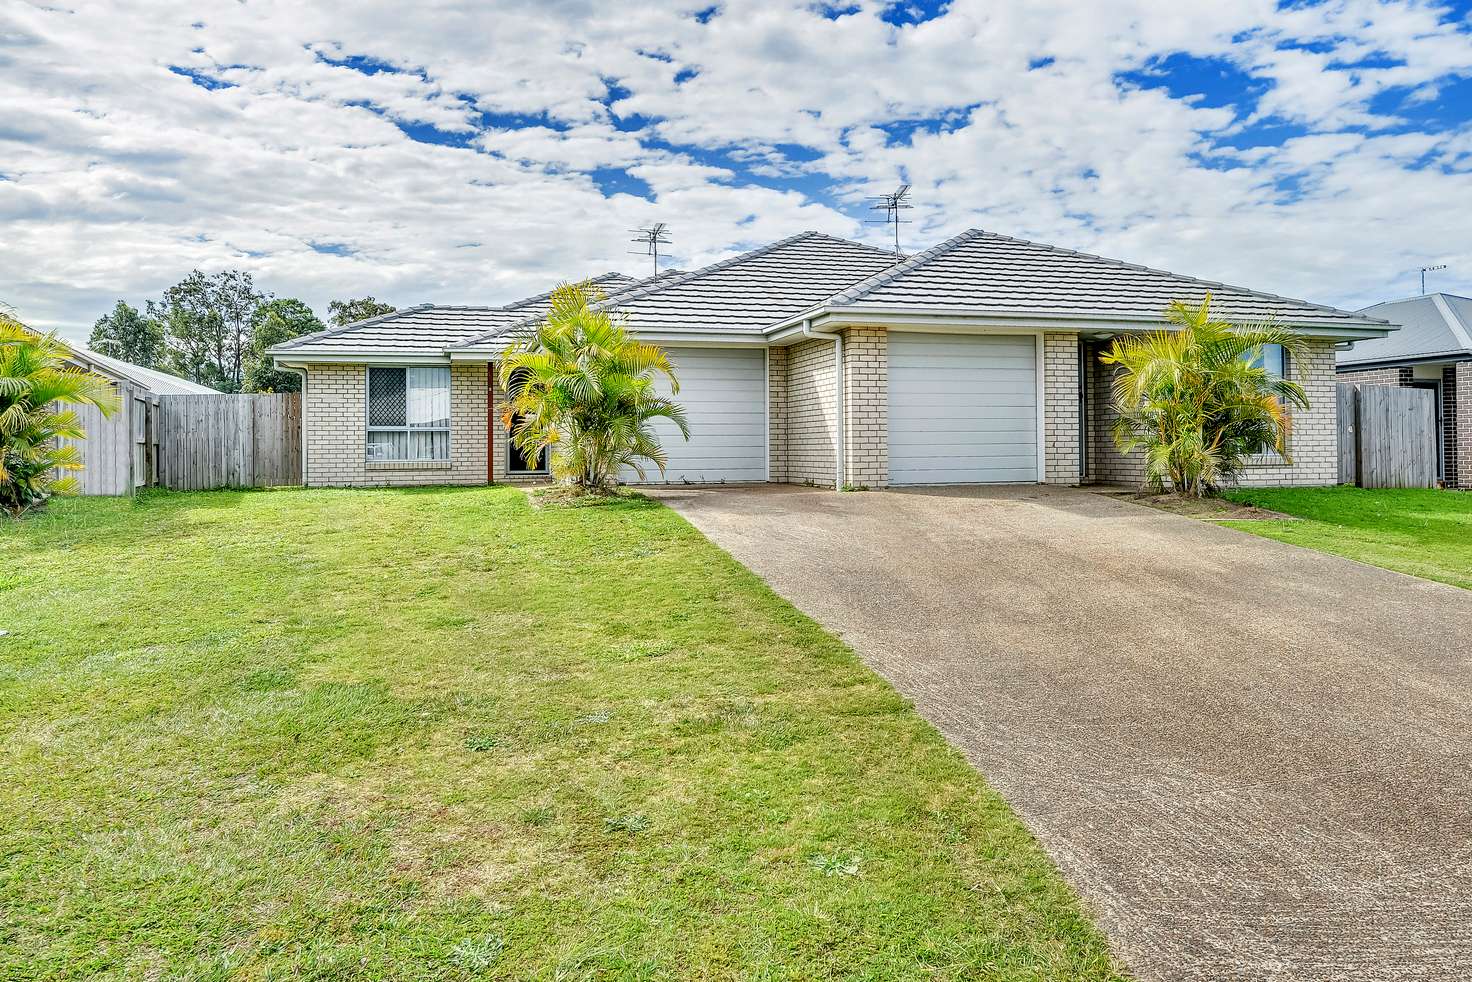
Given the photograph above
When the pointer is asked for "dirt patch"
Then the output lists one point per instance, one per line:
(1208, 509)
(562, 496)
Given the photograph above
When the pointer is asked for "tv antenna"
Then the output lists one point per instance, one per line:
(651, 238)
(892, 204)
(1424, 271)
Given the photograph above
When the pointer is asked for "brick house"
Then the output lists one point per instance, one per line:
(1431, 350)
(815, 360)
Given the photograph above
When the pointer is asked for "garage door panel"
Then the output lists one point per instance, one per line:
(962, 409)
(723, 393)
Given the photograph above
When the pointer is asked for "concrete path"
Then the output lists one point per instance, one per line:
(1254, 761)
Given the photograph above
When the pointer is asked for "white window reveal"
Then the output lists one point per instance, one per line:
(408, 413)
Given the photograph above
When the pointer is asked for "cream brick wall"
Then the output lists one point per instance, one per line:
(866, 407)
(1060, 408)
(1314, 443)
(335, 412)
(812, 413)
(777, 367)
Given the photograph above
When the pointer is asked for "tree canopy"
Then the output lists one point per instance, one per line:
(272, 323)
(344, 312)
(127, 334)
(207, 323)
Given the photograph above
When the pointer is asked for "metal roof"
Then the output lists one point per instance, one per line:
(155, 381)
(1436, 324)
(980, 271)
(428, 329)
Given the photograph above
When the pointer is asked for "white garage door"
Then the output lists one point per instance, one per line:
(724, 392)
(963, 409)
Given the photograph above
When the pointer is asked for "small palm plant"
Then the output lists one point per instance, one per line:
(35, 382)
(1196, 401)
(582, 390)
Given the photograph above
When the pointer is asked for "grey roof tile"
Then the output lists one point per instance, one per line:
(1433, 325)
(982, 271)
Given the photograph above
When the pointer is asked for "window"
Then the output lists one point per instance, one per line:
(1274, 359)
(408, 413)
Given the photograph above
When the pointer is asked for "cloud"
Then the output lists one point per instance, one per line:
(473, 153)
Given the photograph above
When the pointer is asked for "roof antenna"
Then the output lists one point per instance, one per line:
(1424, 271)
(652, 238)
(892, 205)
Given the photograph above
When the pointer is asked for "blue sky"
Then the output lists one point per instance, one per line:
(475, 154)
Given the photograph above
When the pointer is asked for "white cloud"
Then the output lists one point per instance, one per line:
(119, 175)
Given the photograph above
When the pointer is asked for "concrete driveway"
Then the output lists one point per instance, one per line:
(1254, 761)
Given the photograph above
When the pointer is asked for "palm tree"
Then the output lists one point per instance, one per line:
(581, 389)
(1198, 402)
(35, 381)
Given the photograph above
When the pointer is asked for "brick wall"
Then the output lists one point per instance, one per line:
(866, 407)
(812, 413)
(1060, 408)
(1314, 442)
(777, 368)
(1460, 425)
(1379, 376)
(335, 412)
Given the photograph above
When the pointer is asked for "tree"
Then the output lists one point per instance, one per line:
(580, 388)
(272, 323)
(206, 321)
(127, 334)
(1196, 400)
(35, 381)
(344, 312)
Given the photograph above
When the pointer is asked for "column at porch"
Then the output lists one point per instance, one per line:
(866, 407)
(1061, 408)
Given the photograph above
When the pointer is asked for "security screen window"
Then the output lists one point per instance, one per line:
(408, 414)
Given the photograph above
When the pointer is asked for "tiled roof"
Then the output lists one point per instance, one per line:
(980, 271)
(1433, 325)
(431, 328)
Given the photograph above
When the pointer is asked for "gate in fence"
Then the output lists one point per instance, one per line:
(1388, 436)
(229, 441)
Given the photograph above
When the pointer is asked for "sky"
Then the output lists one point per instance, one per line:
(477, 152)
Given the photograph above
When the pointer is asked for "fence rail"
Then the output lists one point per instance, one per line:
(1387, 436)
(239, 441)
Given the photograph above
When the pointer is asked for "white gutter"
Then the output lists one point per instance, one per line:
(838, 436)
(302, 371)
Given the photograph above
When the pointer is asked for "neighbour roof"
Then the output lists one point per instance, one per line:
(430, 328)
(1436, 324)
(159, 383)
(985, 272)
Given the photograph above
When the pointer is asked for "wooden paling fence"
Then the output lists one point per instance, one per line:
(1387, 436)
(120, 452)
(229, 441)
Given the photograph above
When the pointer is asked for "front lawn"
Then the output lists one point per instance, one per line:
(438, 734)
(1423, 532)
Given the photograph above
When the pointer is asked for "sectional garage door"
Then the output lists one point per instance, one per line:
(724, 393)
(963, 409)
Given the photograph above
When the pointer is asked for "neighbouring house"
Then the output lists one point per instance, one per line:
(1432, 350)
(816, 360)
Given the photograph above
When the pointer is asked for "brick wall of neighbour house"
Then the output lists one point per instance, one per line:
(1060, 408)
(335, 415)
(812, 413)
(1460, 423)
(866, 407)
(1379, 376)
(1314, 442)
(777, 366)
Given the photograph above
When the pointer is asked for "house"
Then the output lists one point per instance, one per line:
(117, 455)
(1432, 350)
(817, 360)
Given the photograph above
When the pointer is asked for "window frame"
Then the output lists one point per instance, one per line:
(1268, 456)
(369, 429)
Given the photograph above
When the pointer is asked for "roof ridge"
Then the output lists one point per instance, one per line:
(1453, 320)
(547, 294)
(650, 287)
(334, 331)
(851, 293)
(1179, 276)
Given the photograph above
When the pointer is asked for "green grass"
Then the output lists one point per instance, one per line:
(1426, 533)
(439, 734)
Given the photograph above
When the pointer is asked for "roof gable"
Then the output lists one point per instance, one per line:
(1431, 325)
(979, 271)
